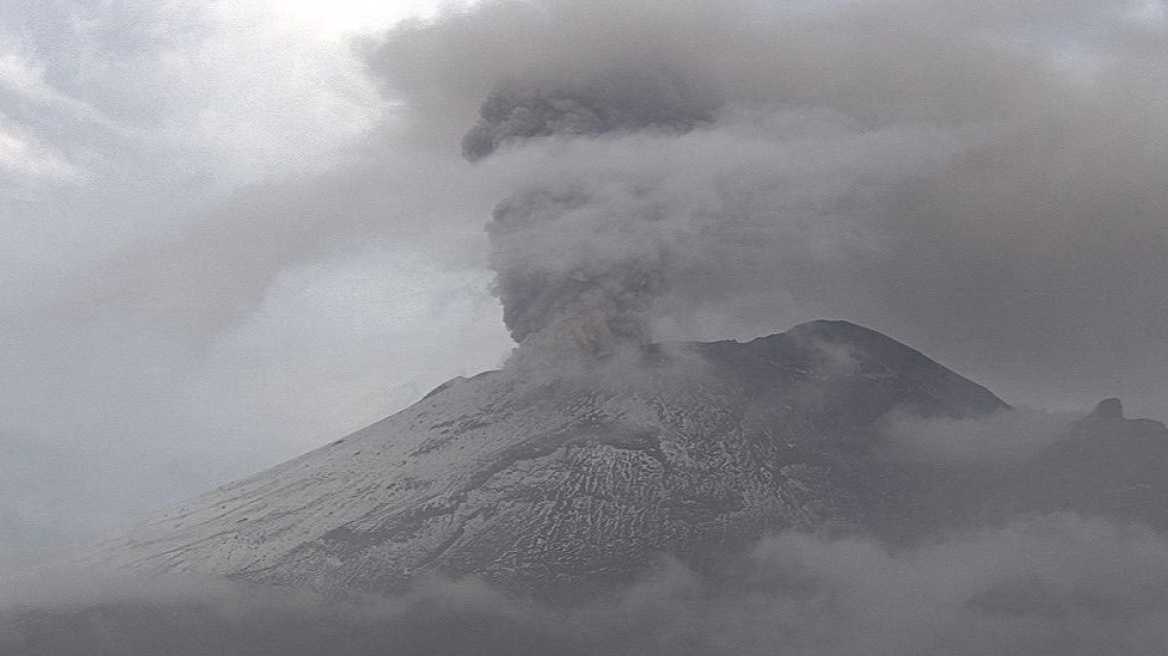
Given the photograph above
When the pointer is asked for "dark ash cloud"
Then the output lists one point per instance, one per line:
(620, 100)
(979, 180)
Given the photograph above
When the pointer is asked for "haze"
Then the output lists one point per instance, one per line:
(236, 231)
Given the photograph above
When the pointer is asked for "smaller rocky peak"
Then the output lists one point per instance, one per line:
(1107, 423)
(1107, 409)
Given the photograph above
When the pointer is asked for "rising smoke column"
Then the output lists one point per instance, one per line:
(598, 302)
(981, 178)
(642, 188)
(660, 157)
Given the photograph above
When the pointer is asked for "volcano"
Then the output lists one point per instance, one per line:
(576, 479)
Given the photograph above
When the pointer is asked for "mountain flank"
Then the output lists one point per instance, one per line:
(571, 480)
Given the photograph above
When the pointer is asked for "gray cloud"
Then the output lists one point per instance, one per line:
(991, 194)
(995, 439)
(165, 329)
(979, 180)
(1054, 585)
(619, 100)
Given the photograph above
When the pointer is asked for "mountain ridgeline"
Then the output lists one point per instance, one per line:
(567, 484)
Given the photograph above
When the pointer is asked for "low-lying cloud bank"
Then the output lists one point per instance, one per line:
(999, 438)
(1059, 584)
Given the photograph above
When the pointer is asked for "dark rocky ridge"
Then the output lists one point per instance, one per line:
(1105, 464)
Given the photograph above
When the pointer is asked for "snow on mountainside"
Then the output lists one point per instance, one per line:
(539, 481)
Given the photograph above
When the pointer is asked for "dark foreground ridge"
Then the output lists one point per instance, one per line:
(571, 483)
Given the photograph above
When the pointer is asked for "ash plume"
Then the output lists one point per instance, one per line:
(644, 182)
(978, 178)
(665, 168)
(614, 101)
(601, 300)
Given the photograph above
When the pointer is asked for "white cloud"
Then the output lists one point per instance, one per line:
(1151, 13)
(341, 19)
(338, 345)
(281, 85)
(24, 155)
(153, 111)
(27, 79)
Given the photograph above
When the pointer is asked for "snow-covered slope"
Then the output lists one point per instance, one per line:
(543, 481)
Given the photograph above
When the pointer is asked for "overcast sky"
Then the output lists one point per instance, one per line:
(232, 231)
(177, 307)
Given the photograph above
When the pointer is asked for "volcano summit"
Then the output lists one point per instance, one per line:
(553, 483)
